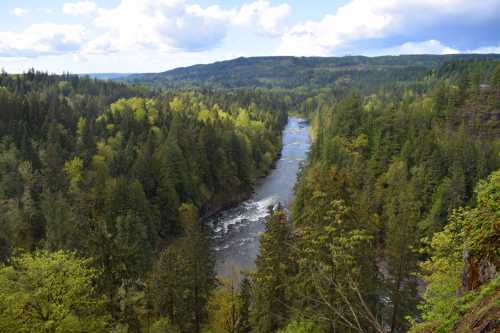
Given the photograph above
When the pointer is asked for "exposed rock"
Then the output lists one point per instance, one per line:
(477, 271)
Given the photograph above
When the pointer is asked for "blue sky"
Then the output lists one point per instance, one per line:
(86, 36)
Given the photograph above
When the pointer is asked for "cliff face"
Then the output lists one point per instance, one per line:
(477, 271)
(484, 314)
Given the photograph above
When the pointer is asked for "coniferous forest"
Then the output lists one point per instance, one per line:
(105, 187)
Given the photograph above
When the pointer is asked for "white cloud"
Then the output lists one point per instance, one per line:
(154, 24)
(430, 47)
(42, 39)
(19, 12)
(426, 47)
(487, 49)
(367, 19)
(79, 8)
(165, 26)
(172, 29)
(269, 18)
(175, 25)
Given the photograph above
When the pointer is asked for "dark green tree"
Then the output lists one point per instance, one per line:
(270, 308)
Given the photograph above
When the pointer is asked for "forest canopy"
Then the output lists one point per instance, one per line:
(119, 174)
(105, 187)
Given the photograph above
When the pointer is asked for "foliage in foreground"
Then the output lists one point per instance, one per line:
(50, 292)
(475, 231)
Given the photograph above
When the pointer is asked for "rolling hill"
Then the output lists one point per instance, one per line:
(292, 72)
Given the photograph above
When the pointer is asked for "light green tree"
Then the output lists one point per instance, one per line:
(49, 292)
(474, 231)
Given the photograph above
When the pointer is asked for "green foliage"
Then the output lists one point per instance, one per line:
(482, 224)
(315, 275)
(163, 325)
(244, 300)
(400, 160)
(50, 292)
(300, 327)
(225, 308)
(270, 308)
(443, 270)
(183, 278)
(474, 230)
(74, 169)
(459, 308)
(119, 173)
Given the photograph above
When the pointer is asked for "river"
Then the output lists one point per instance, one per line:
(236, 231)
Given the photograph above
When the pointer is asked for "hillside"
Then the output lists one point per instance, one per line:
(307, 73)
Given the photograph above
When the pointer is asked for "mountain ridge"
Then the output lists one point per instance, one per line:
(289, 72)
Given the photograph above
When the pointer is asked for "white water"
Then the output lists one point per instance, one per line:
(236, 231)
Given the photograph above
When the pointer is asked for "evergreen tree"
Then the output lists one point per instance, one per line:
(184, 276)
(402, 213)
(270, 308)
(245, 297)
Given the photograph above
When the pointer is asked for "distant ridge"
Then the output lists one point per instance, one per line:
(292, 72)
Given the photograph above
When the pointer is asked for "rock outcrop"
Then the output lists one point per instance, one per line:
(477, 271)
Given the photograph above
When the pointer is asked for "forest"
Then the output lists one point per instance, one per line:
(303, 74)
(394, 226)
(400, 185)
(101, 188)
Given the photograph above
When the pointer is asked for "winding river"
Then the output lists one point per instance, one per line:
(236, 231)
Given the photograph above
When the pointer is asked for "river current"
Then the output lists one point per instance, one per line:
(236, 231)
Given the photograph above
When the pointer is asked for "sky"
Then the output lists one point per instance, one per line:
(131, 36)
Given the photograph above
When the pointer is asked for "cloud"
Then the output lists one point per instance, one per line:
(487, 49)
(269, 18)
(426, 47)
(152, 24)
(361, 20)
(19, 12)
(165, 26)
(79, 8)
(42, 39)
(169, 25)
(132, 25)
(180, 27)
(429, 47)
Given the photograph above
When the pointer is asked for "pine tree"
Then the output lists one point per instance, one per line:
(245, 297)
(270, 309)
(200, 265)
(166, 196)
(184, 277)
(176, 167)
(402, 213)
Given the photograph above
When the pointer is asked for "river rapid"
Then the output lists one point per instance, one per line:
(236, 231)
